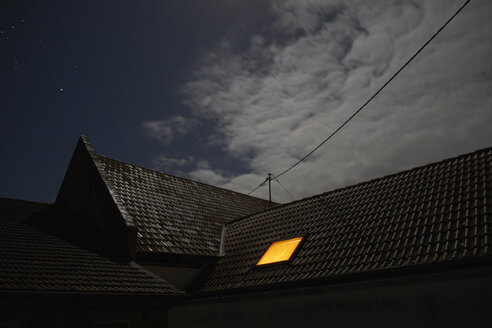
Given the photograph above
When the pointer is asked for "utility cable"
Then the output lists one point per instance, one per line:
(376, 93)
(258, 186)
(371, 98)
(291, 196)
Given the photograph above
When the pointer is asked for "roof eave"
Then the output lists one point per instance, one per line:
(418, 271)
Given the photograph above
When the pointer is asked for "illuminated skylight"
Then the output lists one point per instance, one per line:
(280, 251)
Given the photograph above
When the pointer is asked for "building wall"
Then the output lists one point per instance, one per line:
(98, 313)
(443, 300)
(178, 276)
(84, 191)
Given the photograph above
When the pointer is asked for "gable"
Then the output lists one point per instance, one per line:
(149, 213)
(83, 190)
(174, 215)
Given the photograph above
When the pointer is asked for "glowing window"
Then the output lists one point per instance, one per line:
(280, 251)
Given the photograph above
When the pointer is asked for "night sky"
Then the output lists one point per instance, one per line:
(98, 68)
(227, 91)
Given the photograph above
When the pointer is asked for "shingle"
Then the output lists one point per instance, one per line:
(438, 212)
(32, 259)
(172, 214)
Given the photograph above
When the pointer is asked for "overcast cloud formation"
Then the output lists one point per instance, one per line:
(314, 64)
(166, 130)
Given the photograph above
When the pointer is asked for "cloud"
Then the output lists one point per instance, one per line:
(166, 130)
(164, 163)
(204, 173)
(317, 63)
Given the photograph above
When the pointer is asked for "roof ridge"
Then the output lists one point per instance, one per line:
(183, 178)
(482, 150)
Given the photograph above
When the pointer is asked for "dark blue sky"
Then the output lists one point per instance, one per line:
(98, 68)
(226, 91)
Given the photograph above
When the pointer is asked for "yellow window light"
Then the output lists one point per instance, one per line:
(280, 251)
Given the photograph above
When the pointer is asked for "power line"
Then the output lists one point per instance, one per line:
(269, 178)
(258, 186)
(370, 99)
(291, 196)
(376, 93)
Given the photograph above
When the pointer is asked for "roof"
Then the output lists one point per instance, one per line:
(438, 213)
(174, 215)
(32, 259)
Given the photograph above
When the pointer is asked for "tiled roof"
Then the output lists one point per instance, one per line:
(438, 213)
(33, 260)
(174, 215)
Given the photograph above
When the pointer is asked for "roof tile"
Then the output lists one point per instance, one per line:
(173, 214)
(34, 260)
(430, 214)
